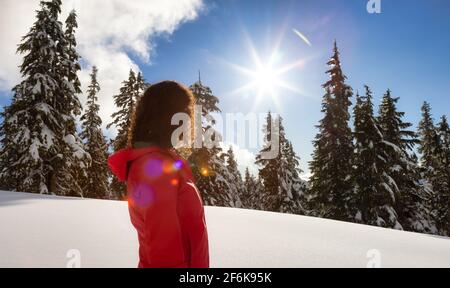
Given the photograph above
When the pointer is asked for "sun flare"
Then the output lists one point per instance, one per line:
(266, 77)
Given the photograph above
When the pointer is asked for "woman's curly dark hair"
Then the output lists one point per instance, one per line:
(151, 120)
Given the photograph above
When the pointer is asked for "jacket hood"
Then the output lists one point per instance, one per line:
(118, 162)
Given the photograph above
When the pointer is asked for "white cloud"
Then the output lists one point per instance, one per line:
(15, 19)
(305, 176)
(244, 157)
(109, 31)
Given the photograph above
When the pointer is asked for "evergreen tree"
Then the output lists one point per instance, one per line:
(268, 173)
(429, 148)
(234, 178)
(96, 182)
(279, 175)
(208, 167)
(412, 203)
(256, 197)
(125, 101)
(375, 188)
(441, 181)
(211, 174)
(205, 98)
(429, 142)
(330, 184)
(140, 86)
(70, 172)
(40, 149)
(249, 189)
(70, 67)
(293, 182)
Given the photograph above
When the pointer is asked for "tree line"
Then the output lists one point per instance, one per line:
(372, 174)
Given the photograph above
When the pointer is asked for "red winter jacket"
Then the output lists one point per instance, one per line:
(165, 208)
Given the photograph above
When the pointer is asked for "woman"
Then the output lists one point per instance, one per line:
(165, 206)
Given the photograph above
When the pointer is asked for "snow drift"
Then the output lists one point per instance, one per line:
(43, 231)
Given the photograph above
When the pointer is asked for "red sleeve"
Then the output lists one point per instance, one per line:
(156, 198)
(192, 218)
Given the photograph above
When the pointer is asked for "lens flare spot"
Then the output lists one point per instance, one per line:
(168, 167)
(177, 165)
(141, 195)
(204, 172)
(153, 168)
(174, 182)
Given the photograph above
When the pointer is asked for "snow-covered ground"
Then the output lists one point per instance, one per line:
(46, 231)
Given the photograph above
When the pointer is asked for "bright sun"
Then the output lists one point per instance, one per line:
(265, 78)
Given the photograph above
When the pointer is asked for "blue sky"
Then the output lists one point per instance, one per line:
(405, 48)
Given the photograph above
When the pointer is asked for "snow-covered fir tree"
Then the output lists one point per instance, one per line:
(429, 142)
(235, 178)
(295, 186)
(256, 196)
(252, 198)
(375, 189)
(41, 151)
(331, 188)
(413, 200)
(71, 170)
(96, 183)
(281, 185)
(208, 165)
(211, 174)
(429, 149)
(268, 173)
(125, 101)
(140, 86)
(441, 180)
(250, 184)
(205, 98)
